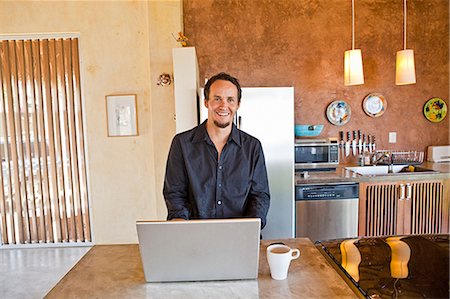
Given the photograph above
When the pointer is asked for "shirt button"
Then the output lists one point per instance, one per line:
(220, 167)
(219, 202)
(220, 185)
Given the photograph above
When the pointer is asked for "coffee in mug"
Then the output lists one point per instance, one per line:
(279, 258)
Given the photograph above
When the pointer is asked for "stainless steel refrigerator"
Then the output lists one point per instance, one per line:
(267, 113)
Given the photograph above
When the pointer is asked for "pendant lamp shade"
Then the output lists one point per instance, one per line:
(353, 66)
(405, 72)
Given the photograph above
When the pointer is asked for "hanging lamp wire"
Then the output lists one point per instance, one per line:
(404, 24)
(353, 24)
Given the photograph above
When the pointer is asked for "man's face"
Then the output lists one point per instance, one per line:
(222, 103)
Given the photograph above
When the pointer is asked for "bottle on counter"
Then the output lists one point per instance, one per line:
(367, 159)
(361, 160)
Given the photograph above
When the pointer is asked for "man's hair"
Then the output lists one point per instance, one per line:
(225, 77)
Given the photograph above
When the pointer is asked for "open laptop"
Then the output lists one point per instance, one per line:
(198, 250)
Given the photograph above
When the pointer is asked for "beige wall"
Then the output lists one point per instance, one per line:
(124, 46)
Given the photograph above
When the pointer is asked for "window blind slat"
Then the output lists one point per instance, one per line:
(29, 208)
(35, 171)
(80, 142)
(41, 142)
(14, 131)
(48, 121)
(6, 166)
(64, 135)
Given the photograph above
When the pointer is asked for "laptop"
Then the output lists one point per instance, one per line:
(199, 250)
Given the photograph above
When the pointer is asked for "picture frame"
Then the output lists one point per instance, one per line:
(121, 114)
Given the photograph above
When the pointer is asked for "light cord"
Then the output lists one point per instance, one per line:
(404, 24)
(353, 24)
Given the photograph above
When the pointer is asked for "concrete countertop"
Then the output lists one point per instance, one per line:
(115, 271)
(343, 175)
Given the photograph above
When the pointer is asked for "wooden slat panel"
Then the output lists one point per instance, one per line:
(19, 195)
(80, 142)
(380, 209)
(50, 143)
(68, 66)
(47, 235)
(30, 214)
(362, 210)
(57, 137)
(438, 210)
(35, 171)
(3, 149)
(64, 135)
(8, 125)
(414, 208)
(445, 208)
(433, 200)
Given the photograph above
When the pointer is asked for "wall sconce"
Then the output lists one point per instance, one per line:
(164, 80)
(405, 72)
(353, 67)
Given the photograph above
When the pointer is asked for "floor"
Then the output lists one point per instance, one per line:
(33, 272)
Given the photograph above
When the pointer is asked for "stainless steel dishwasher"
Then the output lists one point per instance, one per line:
(326, 211)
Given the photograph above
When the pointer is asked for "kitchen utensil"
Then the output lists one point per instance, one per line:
(308, 130)
(360, 142)
(354, 143)
(347, 145)
(341, 144)
(364, 143)
(373, 144)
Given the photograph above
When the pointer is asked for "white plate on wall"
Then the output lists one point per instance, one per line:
(374, 104)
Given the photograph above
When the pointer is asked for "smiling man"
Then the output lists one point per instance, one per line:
(216, 170)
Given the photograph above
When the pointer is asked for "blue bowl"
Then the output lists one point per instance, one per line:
(308, 130)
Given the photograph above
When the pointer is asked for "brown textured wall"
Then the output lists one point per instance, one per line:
(301, 43)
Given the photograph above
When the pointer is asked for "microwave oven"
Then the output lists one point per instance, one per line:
(316, 154)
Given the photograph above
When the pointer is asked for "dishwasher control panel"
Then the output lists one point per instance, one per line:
(326, 191)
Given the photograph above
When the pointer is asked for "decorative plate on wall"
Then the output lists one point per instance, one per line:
(435, 110)
(374, 104)
(339, 112)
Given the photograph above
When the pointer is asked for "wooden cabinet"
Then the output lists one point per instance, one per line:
(404, 207)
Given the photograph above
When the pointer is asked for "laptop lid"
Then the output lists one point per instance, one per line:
(197, 250)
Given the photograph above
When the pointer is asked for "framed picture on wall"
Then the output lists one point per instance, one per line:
(121, 115)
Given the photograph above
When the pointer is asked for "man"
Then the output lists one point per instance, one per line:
(216, 170)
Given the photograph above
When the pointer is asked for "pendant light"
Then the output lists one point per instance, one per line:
(405, 72)
(353, 67)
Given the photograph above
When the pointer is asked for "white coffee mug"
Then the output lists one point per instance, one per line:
(279, 257)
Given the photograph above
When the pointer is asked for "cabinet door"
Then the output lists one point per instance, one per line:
(379, 209)
(427, 208)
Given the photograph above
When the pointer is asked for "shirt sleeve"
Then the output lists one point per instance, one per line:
(176, 183)
(258, 199)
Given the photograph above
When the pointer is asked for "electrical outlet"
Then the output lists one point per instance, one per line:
(392, 137)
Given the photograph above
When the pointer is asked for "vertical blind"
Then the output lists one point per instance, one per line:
(43, 196)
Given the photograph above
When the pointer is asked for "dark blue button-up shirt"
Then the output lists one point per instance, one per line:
(198, 186)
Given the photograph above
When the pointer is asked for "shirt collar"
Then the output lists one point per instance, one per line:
(202, 135)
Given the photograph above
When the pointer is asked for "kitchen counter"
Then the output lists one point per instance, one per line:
(115, 271)
(343, 175)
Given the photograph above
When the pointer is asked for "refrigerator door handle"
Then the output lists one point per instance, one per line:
(239, 122)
